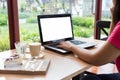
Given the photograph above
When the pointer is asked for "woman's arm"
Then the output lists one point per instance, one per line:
(102, 55)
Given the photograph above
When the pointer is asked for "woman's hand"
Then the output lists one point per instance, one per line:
(66, 45)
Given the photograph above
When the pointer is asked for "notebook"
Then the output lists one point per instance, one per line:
(56, 28)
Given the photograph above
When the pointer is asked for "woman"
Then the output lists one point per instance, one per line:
(108, 52)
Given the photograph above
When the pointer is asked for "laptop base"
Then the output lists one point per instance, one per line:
(58, 50)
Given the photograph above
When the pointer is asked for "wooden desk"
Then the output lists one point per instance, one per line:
(62, 67)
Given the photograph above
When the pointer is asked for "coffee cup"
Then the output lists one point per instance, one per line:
(35, 49)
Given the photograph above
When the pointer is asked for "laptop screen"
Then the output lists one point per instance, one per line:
(55, 27)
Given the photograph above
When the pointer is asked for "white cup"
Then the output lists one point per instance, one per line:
(35, 49)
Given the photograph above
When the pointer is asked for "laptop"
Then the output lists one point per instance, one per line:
(56, 28)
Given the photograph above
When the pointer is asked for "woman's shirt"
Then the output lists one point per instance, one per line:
(114, 39)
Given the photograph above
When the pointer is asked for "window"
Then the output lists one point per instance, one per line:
(4, 31)
(106, 5)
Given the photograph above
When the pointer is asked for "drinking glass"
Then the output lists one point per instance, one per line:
(20, 48)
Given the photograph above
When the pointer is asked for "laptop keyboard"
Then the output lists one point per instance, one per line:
(54, 46)
(76, 42)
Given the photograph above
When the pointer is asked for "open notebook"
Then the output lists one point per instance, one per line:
(56, 28)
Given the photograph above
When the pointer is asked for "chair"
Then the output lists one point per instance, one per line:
(103, 25)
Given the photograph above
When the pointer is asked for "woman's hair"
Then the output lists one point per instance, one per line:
(116, 12)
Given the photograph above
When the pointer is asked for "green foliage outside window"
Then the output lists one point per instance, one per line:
(3, 19)
(83, 21)
(4, 44)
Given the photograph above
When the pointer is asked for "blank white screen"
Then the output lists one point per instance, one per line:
(56, 28)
